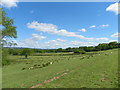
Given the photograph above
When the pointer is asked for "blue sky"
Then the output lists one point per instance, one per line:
(64, 24)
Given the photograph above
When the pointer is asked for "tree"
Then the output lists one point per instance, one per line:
(26, 52)
(113, 45)
(8, 31)
(59, 50)
(69, 49)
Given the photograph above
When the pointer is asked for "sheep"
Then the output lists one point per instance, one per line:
(51, 62)
(35, 65)
(30, 68)
(82, 57)
(88, 57)
(23, 68)
(43, 65)
(106, 54)
(91, 55)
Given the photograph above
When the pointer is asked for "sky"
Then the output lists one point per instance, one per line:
(50, 25)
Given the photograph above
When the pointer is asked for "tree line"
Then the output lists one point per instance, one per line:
(80, 50)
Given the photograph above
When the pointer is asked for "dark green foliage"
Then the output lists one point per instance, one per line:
(5, 59)
(59, 50)
(26, 52)
(12, 51)
(82, 52)
(9, 31)
(79, 52)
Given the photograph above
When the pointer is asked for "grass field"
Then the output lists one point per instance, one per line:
(91, 70)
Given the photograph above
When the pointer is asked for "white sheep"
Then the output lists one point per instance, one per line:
(31, 68)
(51, 63)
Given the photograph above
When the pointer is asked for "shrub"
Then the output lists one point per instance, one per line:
(15, 52)
(5, 60)
(26, 52)
(82, 52)
(79, 52)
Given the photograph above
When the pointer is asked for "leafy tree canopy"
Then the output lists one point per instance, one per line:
(8, 29)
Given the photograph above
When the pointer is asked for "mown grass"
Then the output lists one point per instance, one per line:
(97, 71)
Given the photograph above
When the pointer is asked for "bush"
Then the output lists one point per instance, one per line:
(82, 52)
(26, 52)
(5, 60)
(79, 52)
(15, 52)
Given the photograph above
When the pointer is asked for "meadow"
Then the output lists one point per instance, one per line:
(63, 70)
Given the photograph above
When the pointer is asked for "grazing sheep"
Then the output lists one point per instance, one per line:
(106, 54)
(31, 67)
(91, 55)
(43, 65)
(88, 57)
(82, 57)
(35, 65)
(51, 62)
(23, 68)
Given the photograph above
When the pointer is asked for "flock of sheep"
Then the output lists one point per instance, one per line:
(38, 66)
(51, 62)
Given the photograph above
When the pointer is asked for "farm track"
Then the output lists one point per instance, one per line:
(50, 80)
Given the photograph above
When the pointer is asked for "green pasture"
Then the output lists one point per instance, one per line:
(91, 70)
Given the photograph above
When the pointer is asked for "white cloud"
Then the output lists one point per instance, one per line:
(8, 3)
(113, 40)
(104, 25)
(31, 42)
(113, 8)
(109, 41)
(93, 26)
(78, 43)
(53, 29)
(37, 37)
(52, 44)
(115, 35)
(83, 30)
(57, 43)
(97, 39)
